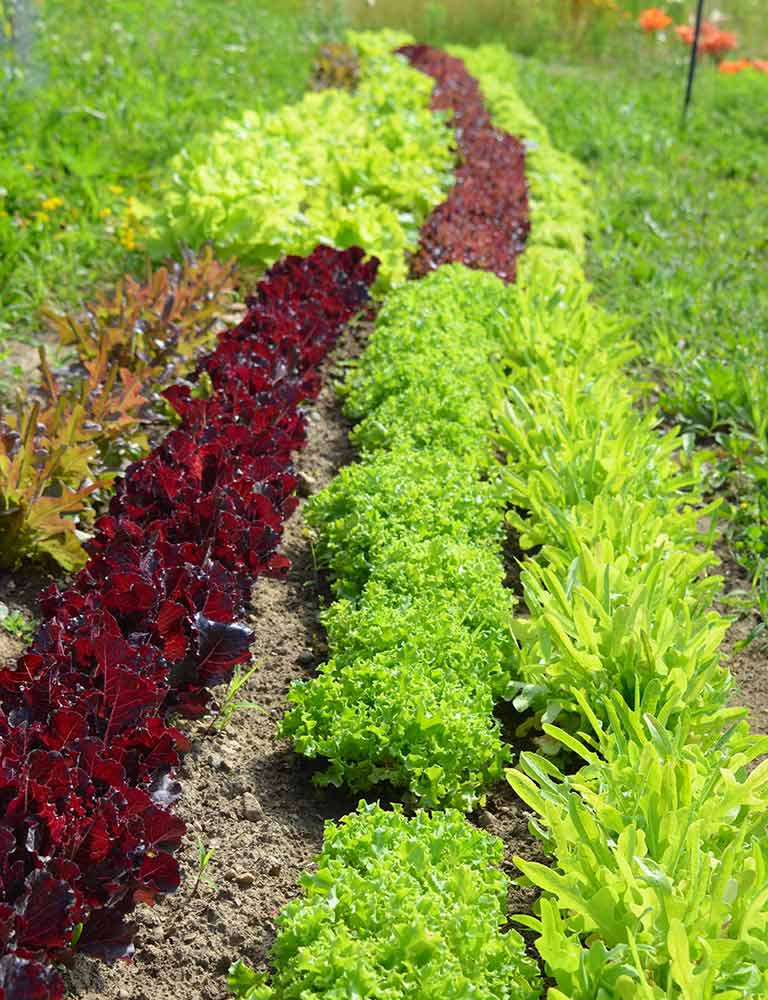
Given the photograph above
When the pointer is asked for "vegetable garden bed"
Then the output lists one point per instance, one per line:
(478, 412)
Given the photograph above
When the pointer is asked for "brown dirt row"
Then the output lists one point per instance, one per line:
(245, 794)
(749, 666)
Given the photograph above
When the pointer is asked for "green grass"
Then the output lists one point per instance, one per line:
(682, 218)
(94, 99)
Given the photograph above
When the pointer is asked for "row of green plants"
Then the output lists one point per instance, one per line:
(338, 167)
(419, 636)
(657, 887)
(658, 884)
(611, 508)
(347, 168)
(421, 641)
(679, 246)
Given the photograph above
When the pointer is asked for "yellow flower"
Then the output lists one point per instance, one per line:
(105, 213)
(29, 166)
(128, 239)
(49, 204)
(41, 216)
(116, 189)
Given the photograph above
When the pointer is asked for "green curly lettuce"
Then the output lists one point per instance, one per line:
(362, 168)
(398, 909)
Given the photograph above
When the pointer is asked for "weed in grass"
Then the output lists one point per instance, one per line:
(16, 625)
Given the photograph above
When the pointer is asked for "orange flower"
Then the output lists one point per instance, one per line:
(734, 66)
(761, 64)
(717, 42)
(654, 19)
(711, 39)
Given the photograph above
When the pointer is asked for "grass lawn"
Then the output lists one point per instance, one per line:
(94, 99)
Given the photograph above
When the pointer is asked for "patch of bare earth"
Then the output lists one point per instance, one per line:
(749, 665)
(18, 595)
(19, 363)
(508, 818)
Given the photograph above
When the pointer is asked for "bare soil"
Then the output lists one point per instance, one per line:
(19, 361)
(18, 594)
(749, 665)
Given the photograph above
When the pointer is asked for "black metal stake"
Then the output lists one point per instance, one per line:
(694, 57)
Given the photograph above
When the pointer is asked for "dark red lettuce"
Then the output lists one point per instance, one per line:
(484, 221)
(87, 758)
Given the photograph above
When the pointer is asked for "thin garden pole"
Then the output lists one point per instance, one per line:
(694, 57)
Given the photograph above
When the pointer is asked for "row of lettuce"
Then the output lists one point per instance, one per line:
(346, 168)
(87, 754)
(658, 883)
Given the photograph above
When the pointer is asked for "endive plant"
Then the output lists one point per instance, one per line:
(660, 882)
(567, 446)
(602, 620)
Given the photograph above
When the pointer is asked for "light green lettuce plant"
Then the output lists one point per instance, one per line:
(409, 493)
(660, 884)
(603, 622)
(341, 168)
(398, 909)
(421, 644)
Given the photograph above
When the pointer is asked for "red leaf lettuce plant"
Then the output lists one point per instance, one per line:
(87, 757)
